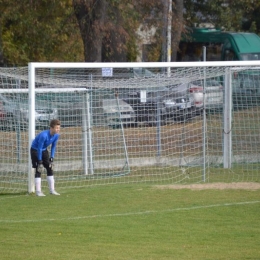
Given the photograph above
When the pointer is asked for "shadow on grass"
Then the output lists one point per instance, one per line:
(13, 194)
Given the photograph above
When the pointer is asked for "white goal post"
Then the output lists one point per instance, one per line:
(184, 122)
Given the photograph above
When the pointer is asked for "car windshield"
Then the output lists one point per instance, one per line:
(250, 56)
(181, 100)
(247, 83)
(59, 97)
(20, 98)
(209, 83)
(156, 94)
(150, 93)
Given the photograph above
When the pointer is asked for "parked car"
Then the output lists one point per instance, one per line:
(213, 94)
(15, 112)
(2, 116)
(246, 89)
(155, 105)
(113, 112)
(103, 111)
(179, 108)
(69, 106)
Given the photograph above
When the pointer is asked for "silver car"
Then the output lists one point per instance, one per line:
(117, 111)
(15, 109)
(213, 94)
(68, 105)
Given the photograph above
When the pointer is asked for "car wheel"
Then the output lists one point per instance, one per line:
(152, 119)
(3, 125)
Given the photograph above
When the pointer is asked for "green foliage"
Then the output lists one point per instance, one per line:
(253, 27)
(231, 15)
(40, 31)
(132, 51)
(78, 30)
(131, 222)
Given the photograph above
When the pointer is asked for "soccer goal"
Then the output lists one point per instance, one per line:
(132, 122)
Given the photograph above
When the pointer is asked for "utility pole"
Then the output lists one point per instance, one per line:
(169, 36)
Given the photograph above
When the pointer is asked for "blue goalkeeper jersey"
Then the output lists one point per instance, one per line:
(43, 140)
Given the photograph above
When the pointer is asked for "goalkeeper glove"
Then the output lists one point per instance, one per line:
(40, 167)
(51, 165)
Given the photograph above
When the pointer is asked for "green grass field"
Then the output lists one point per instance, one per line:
(136, 221)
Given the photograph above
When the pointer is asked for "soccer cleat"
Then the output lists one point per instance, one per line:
(40, 194)
(53, 192)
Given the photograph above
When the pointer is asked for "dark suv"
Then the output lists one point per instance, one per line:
(152, 106)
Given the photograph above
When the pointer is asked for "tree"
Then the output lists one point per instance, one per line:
(1, 46)
(39, 31)
(91, 16)
(108, 27)
(93, 30)
(227, 14)
(177, 27)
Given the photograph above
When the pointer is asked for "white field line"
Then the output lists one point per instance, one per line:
(129, 213)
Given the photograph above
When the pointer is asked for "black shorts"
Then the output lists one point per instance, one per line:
(45, 158)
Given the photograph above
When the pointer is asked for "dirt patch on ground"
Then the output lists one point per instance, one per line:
(217, 186)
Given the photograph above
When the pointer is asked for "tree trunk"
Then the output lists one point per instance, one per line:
(177, 14)
(1, 45)
(91, 19)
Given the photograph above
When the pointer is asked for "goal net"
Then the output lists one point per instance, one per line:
(132, 122)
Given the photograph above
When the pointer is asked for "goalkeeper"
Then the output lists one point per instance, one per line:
(40, 156)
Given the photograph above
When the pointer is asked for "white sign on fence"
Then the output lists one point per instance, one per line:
(143, 96)
(107, 72)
